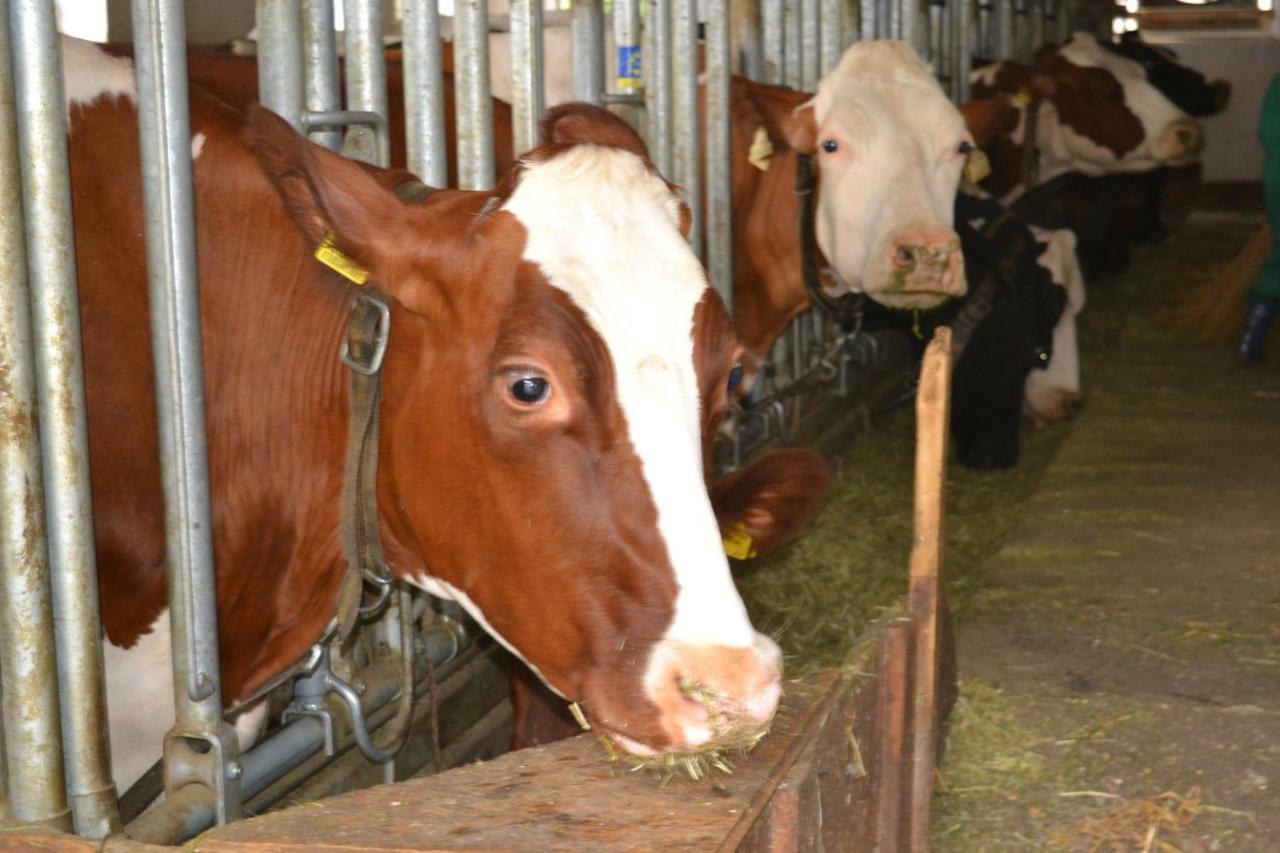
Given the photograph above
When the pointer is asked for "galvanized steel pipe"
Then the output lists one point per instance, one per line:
(425, 141)
(526, 70)
(1021, 32)
(1063, 29)
(686, 128)
(31, 126)
(893, 23)
(366, 76)
(280, 86)
(986, 29)
(810, 37)
(657, 89)
(165, 147)
(962, 49)
(472, 100)
(832, 39)
(773, 38)
(935, 50)
(1004, 30)
(869, 18)
(719, 216)
(792, 47)
(587, 42)
(1035, 26)
(910, 29)
(320, 69)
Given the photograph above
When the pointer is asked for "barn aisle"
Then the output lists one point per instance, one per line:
(1126, 644)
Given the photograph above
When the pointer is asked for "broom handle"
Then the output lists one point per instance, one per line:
(933, 408)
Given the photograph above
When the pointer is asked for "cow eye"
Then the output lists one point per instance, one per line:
(830, 145)
(1043, 354)
(735, 378)
(530, 390)
(964, 148)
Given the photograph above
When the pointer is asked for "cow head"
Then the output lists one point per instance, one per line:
(889, 148)
(557, 367)
(1187, 88)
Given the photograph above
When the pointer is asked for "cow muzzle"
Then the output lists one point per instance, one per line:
(924, 269)
(1181, 141)
(711, 697)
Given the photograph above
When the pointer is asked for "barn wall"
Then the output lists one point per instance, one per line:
(208, 23)
(1249, 61)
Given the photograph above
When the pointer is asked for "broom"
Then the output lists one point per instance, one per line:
(1214, 312)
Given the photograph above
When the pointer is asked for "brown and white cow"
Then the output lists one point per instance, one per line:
(888, 148)
(1097, 114)
(557, 367)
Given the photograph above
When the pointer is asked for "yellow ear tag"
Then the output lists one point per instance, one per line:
(977, 166)
(738, 544)
(1023, 98)
(329, 255)
(761, 150)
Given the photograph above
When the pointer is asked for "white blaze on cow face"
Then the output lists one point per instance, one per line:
(1170, 136)
(90, 73)
(890, 149)
(605, 230)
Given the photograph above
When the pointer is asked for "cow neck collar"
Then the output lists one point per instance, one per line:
(978, 306)
(845, 309)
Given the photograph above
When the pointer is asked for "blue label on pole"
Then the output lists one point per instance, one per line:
(628, 67)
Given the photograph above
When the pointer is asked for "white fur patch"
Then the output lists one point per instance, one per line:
(1060, 260)
(605, 230)
(139, 701)
(197, 145)
(90, 73)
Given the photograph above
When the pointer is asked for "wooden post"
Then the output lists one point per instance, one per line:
(892, 711)
(933, 410)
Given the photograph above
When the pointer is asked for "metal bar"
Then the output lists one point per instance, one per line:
(869, 17)
(751, 39)
(165, 146)
(686, 129)
(961, 55)
(832, 40)
(893, 20)
(1063, 30)
(526, 70)
(366, 73)
(935, 49)
(32, 150)
(943, 61)
(626, 39)
(809, 40)
(986, 29)
(472, 100)
(1003, 36)
(587, 41)
(425, 142)
(1035, 27)
(792, 47)
(719, 162)
(280, 87)
(771, 21)
(320, 69)
(657, 90)
(933, 409)
(1021, 32)
(910, 29)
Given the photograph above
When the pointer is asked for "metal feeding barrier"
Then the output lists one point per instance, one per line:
(55, 753)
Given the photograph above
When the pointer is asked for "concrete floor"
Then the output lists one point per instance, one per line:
(1128, 642)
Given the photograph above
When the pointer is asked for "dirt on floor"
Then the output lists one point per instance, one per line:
(1117, 594)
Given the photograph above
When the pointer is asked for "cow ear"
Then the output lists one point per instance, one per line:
(789, 116)
(332, 200)
(773, 497)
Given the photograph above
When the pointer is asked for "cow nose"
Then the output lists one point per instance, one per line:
(929, 261)
(713, 697)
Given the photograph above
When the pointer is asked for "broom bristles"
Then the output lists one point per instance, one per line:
(1214, 313)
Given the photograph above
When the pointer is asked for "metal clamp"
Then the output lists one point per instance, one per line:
(382, 335)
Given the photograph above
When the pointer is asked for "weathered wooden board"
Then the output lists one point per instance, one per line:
(812, 782)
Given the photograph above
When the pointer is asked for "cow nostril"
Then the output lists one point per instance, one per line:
(903, 256)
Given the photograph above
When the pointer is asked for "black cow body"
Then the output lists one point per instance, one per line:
(1002, 329)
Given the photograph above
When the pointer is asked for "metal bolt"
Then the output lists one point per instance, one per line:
(235, 770)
